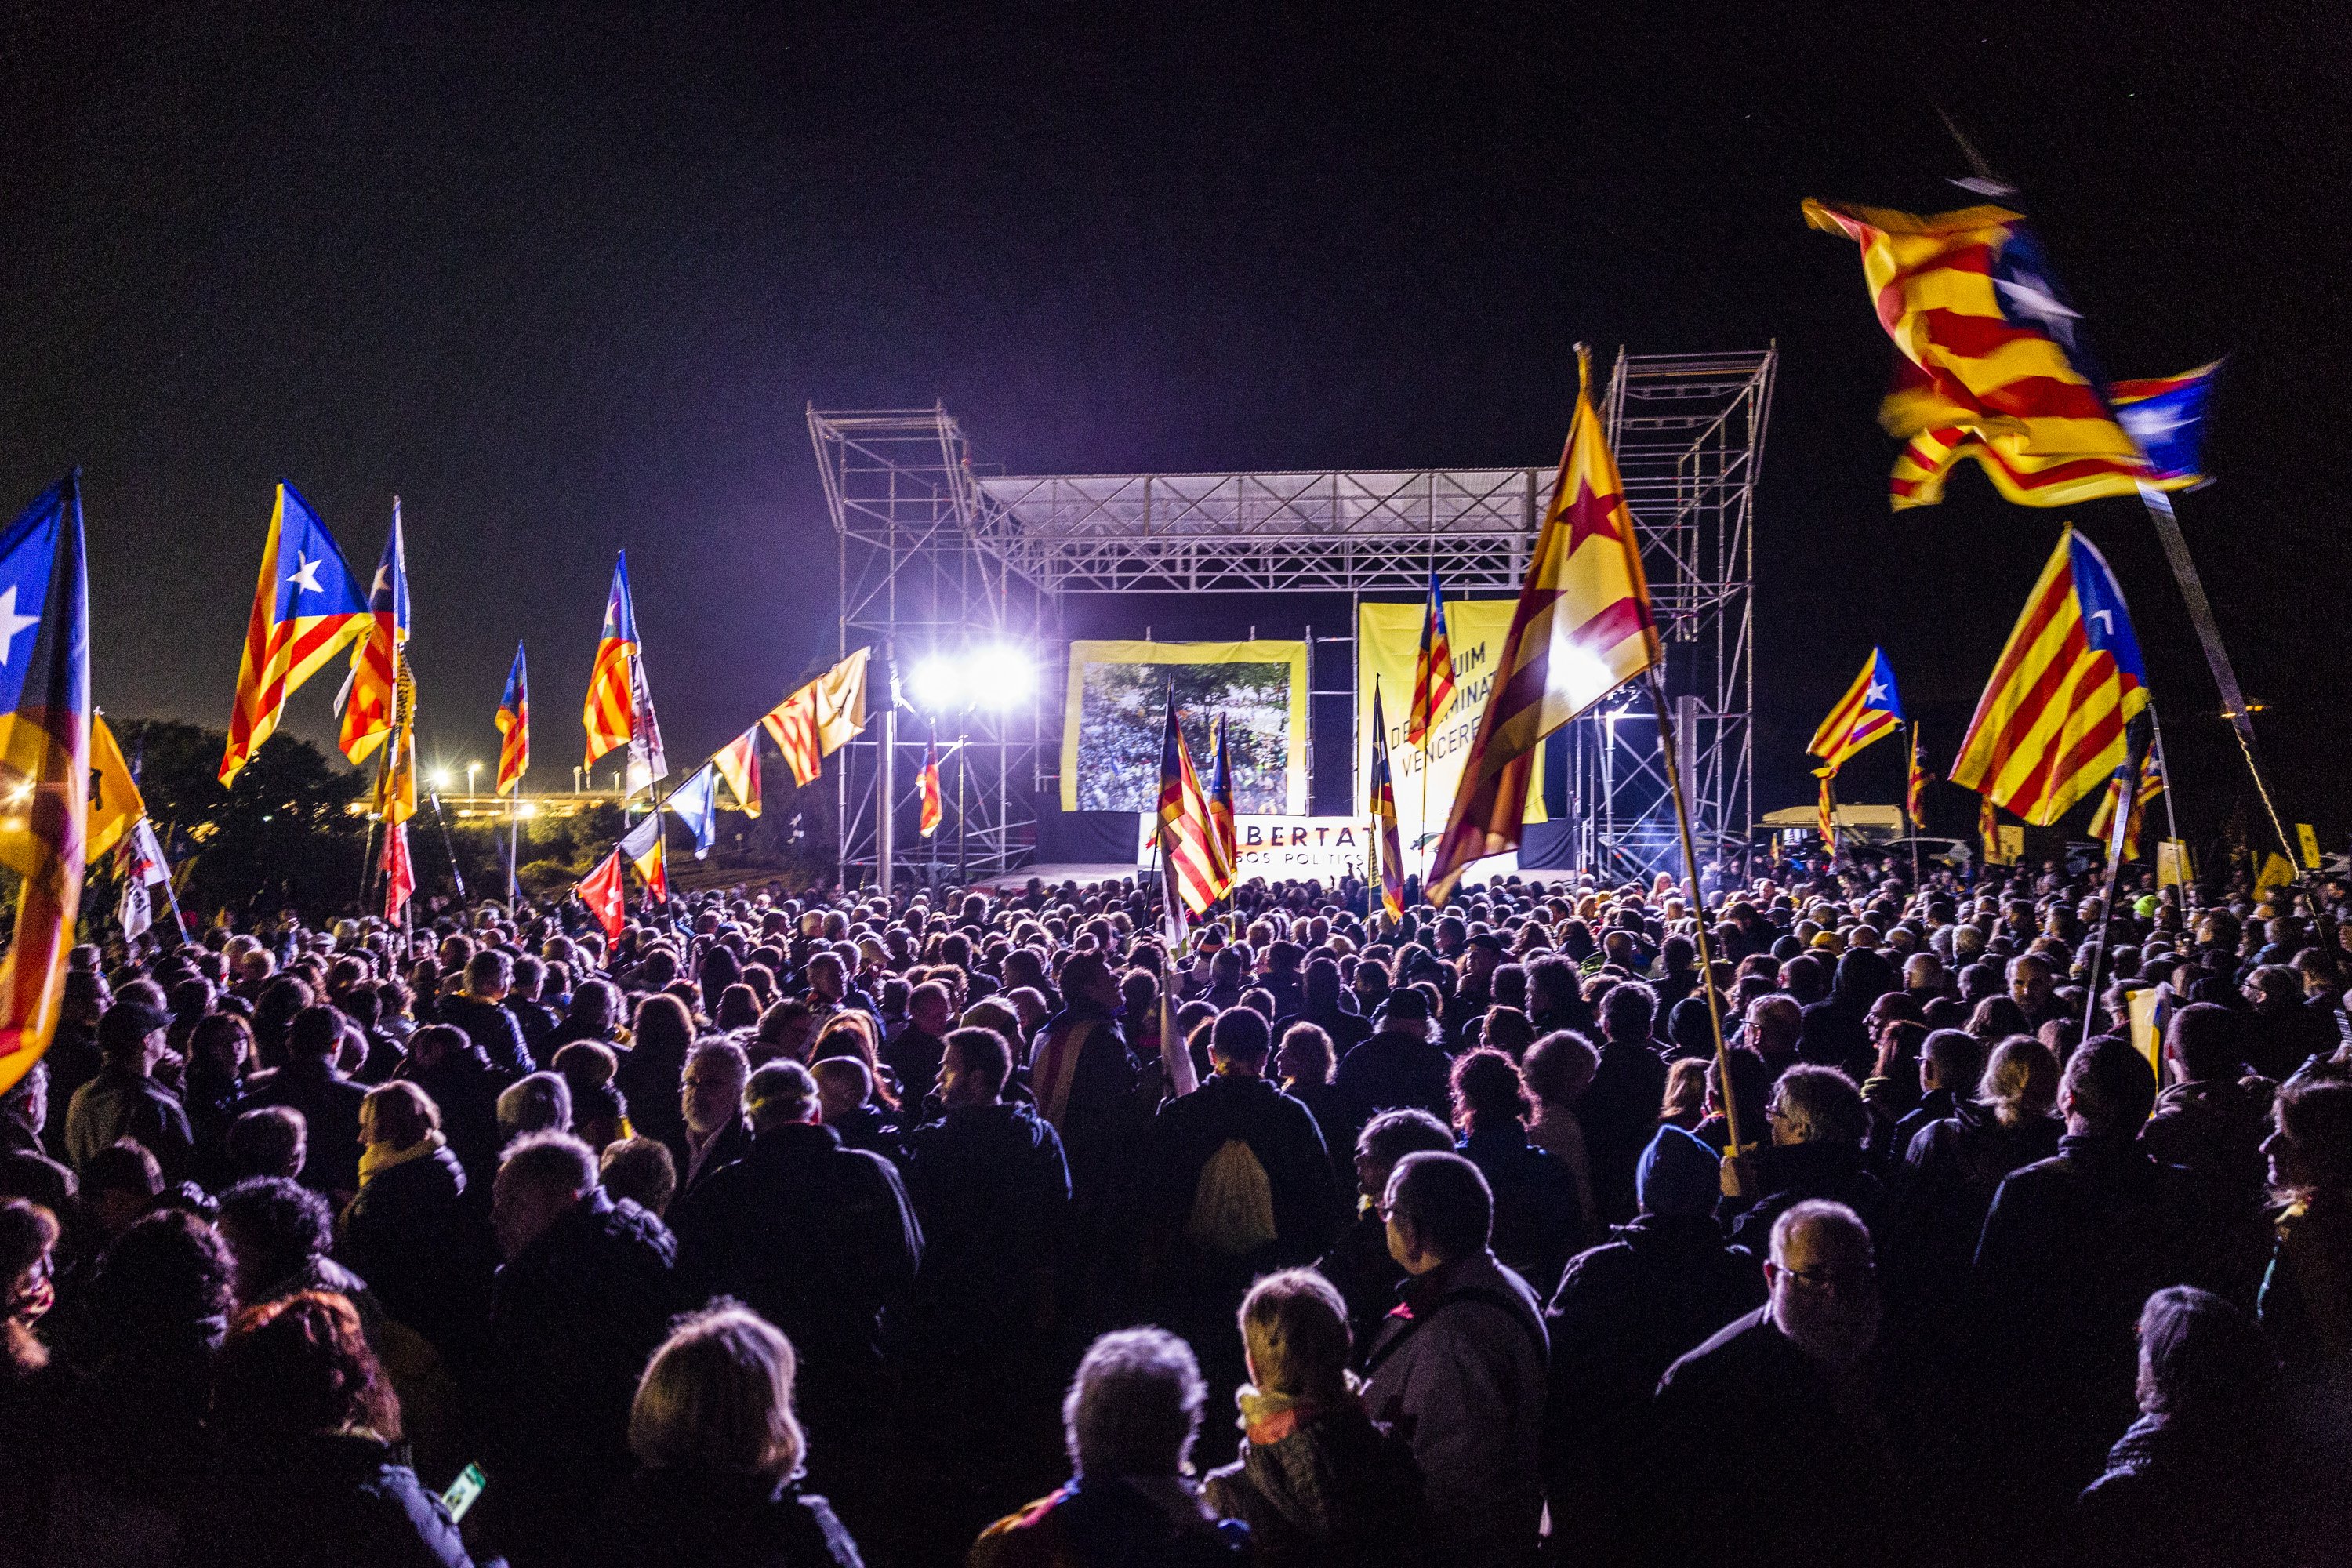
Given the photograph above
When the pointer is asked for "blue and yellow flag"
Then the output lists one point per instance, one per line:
(375, 659)
(611, 712)
(45, 735)
(1221, 807)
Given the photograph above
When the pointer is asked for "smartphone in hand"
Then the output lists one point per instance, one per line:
(464, 1491)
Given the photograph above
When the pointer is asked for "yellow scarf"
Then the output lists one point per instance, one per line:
(378, 1158)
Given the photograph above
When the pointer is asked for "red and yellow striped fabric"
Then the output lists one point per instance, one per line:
(2050, 726)
(610, 715)
(1388, 850)
(1188, 833)
(2103, 819)
(1870, 710)
(738, 762)
(514, 727)
(791, 724)
(1433, 670)
(933, 813)
(1915, 794)
(1220, 808)
(1582, 628)
(1825, 810)
(376, 656)
(304, 611)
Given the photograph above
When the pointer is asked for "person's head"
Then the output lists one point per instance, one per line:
(781, 1094)
(1087, 978)
(640, 1170)
(131, 1037)
(28, 1237)
(1629, 1012)
(2200, 1358)
(1949, 1059)
(1439, 1210)
(1134, 1407)
(1559, 1069)
(1816, 1105)
(1677, 1175)
(1304, 1056)
(843, 1086)
(1239, 1042)
(2030, 982)
(1823, 1283)
(120, 1183)
(541, 1178)
(788, 1028)
(2310, 1145)
(1683, 1103)
(538, 1102)
(397, 1115)
(269, 1141)
(2108, 1090)
(715, 1400)
(710, 1094)
(1773, 1022)
(296, 1367)
(973, 1068)
(1390, 1137)
(1295, 1336)
(2201, 1043)
(220, 1047)
(1487, 1094)
(2021, 1081)
(931, 1008)
(315, 1034)
(274, 1228)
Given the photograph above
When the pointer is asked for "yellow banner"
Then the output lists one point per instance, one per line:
(1113, 727)
(1387, 640)
(2310, 843)
(114, 802)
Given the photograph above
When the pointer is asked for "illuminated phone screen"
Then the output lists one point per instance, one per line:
(464, 1491)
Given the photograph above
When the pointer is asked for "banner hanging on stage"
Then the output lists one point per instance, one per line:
(1388, 638)
(1112, 727)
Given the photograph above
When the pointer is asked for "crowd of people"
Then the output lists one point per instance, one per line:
(973, 1226)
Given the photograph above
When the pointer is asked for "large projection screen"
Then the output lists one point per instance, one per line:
(1112, 727)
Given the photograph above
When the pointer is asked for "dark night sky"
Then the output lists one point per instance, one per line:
(566, 277)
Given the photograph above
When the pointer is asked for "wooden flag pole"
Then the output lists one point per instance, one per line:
(1698, 905)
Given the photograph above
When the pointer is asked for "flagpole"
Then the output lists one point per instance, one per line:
(2136, 743)
(2155, 750)
(1699, 906)
(1911, 766)
(514, 847)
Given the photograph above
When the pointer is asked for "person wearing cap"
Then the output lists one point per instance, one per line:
(1400, 1068)
(123, 1101)
(1623, 1312)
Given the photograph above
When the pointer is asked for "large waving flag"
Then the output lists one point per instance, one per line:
(1870, 710)
(375, 659)
(2151, 785)
(45, 720)
(1582, 628)
(305, 606)
(1221, 807)
(514, 727)
(1996, 366)
(1388, 849)
(2167, 417)
(610, 715)
(1433, 670)
(738, 762)
(1188, 833)
(2050, 726)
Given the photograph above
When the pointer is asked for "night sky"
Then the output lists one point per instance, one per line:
(565, 279)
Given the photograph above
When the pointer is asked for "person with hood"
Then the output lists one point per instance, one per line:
(1458, 1370)
(1817, 1122)
(1624, 1311)
(1836, 1030)
(1319, 1483)
(416, 1231)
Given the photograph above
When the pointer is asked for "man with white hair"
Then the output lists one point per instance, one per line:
(1130, 1419)
(1774, 1432)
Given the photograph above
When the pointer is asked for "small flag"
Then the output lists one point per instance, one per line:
(114, 799)
(1825, 810)
(2050, 726)
(1188, 841)
(611, 713)
(1388, 851)
(647, 763)
(139, 865)
(1869, 710)
(514, 727)
(791, 724)
(1582, 628)
(929, 822)
(645, 847)
(399, 871)
(1914, 796)
(2167, 417)
(696, 803)
(1221, 807)
(1988, 830)
(394, 797)
(376, 656)
(2102, 816)
(304, 611)
(738, 762)
(1433, 670)
(821, 718)
(602, 891)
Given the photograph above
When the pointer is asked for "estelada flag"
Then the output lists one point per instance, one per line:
(399, 870)
(1433, 670)
(1582, 628)
(1388, 849)
(1221, 807)
(1825, 809)
(1915, 794)
(610, 715)
(602, 891)
(2050, 727)
(45, 723)
(929, 822)
(114, 799)
(738, 762)
(514, 727)
(1869, 710)
(645, 847)
(2151, 785)
(375, 657)
(1188, 834)
(305, 606)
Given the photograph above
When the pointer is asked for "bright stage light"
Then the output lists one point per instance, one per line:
(1001, 676)
(935, 684)
(439, 778)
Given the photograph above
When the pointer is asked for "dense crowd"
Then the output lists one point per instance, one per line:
(969, 1226)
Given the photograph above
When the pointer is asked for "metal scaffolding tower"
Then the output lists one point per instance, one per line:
(934, 556)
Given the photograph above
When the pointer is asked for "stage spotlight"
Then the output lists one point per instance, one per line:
(935, 684)
(1001, 676)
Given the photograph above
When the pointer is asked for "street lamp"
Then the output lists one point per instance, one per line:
(472, 770)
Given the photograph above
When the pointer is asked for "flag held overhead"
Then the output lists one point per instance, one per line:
(1870, 710)
(514, 727)
(305, 606)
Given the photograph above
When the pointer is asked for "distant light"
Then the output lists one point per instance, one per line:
(1001, 676)
(526, 810)
(936, 683)
(439, 778)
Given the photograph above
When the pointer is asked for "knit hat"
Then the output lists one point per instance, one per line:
(1677, 1175)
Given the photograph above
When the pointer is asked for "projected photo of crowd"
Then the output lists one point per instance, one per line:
(1112, 750)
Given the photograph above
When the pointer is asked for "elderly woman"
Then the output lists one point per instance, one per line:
(720, 1456)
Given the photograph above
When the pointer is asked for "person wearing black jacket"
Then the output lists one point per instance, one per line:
(481, 1012)
(416, 1231)
(443, 1062)
(312, 1084)
(1400, 1068)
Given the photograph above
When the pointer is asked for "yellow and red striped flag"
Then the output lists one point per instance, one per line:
(1220, 808)
(2050, 726)
(1825, 810)
(303, 613)
(1993, 365)
(1433, 670)
(367, 712)
(399, 871)
(1582, 628)
(610, 715)
(738, 762)
(933, 813)
(646, 845)
(1915, 794)
(1869, 710)
(1988, 830)
(1388, 849)
(821, 718)
(2103, 818)
(514, 727)
(1188, 833)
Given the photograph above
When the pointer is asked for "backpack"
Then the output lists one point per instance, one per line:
(1233, 1203)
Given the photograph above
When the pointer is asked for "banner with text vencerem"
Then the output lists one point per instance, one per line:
(1113, 727)
(1388, 639)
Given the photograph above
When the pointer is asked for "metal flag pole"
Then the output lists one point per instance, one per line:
(514, 848)
(2136, 743)
(2164, 767)
(887, 775)
(1910, 766)
(1698, 907)
(449, 847)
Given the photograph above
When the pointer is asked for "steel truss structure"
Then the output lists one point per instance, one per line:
(936, 557)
